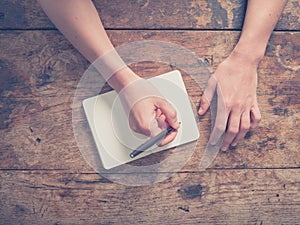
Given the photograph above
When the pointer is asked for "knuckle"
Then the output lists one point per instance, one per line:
(253, 125)
(162, 102)
(228, 105)
(225, 142)
(256, 121)
(220, 128)
(173, 114)
(239, 104)
(258, 118)
(233, 130)
(245, 127)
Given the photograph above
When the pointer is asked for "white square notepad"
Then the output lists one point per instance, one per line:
(109, 125)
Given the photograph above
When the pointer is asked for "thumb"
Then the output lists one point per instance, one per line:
(207, 96)
(168, 110)
(204, 105)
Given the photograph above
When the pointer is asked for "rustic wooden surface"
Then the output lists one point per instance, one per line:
(150, 14)
(45, 180)
(212, 197)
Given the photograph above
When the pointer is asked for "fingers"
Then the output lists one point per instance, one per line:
(219, 128)
(161, 120)
(160, 124)
(232, 130)
(149, 113)
(152, 115)
(207, 95)
(204, 105)
(168, 110)
(239, 125)
(221, 119)
(244, 128)
(234, 121)
(167, 117)
(255, 116)
(170, 137)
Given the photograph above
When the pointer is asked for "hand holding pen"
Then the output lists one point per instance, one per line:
(152, 141)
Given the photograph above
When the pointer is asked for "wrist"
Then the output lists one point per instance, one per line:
(246, 54)
(122, 78)
(249, 49)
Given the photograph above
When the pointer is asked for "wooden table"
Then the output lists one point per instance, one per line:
(44, 178)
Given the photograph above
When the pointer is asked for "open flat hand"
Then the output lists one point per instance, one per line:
(235, 82)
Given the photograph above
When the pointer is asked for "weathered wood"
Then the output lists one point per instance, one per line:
(149, 14)
(45, 180)
(44, 63)
(40, 70)
(211, 197)
(39, 136)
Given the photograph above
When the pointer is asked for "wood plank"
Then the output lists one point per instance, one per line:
(39, 136)
(43, 63)
(45, 180)
(40, 71)
(211, 197)
(147, 14)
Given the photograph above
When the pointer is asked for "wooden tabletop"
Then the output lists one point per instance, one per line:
(45, 179)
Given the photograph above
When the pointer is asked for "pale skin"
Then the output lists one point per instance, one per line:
(80, 23)
(235, 77)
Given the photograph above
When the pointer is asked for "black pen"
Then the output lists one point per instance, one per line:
(151, 142)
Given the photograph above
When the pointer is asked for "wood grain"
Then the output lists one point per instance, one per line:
(149, 14)
(45, 180)
(44, 63)
(211, 197)
(40, 72)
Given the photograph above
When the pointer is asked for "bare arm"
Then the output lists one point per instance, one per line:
(261, 18)
(80, 23)
(235, 79)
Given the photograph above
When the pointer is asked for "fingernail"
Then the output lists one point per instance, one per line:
(224, 149)
(234, 144)
(200, 110)
(213, 142)
(177, 125)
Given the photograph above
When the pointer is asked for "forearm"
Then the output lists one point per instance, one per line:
(260, 20)
(79, 22)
